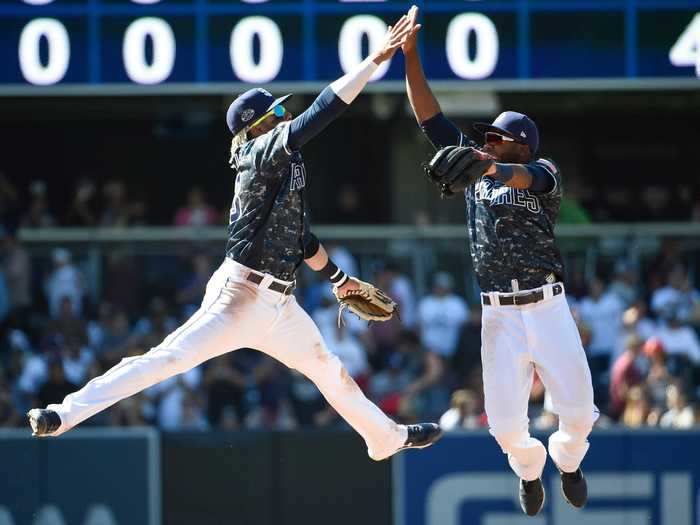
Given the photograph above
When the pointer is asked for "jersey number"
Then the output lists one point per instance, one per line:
(298, 177)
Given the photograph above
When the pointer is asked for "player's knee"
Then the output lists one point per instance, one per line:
(325, 370)
(510, 440)
(576, 431)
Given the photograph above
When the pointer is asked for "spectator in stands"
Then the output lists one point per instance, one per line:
(190, 292)
(9, 416)
(193, 413)
(602, 311)
(29, 368)
(67, 324)
(116, 337)
(5, 304)
(636, 408)
(77, 359)
(680, 413)
(468, 355)
(17, 268)
(625, 374)
(427, 369)
(225, 387)
(83, 210)
(678, 293)
(196, 212)
(625, 284)
(37, 214)
(168, 397)
(546, 419)
(123, 279)
(349, 209)
(65, 281)
(308, 406)
(128, 412)
(400, 288)
(57, 387)
(246, 388)
(635, 321)
(385, 336)
(464, 412)
(680, 343)
(9, 201)
(386, 387)
(658, 378)
(158, 322)
(314, 291)
(441, 316)
(326, 318)
(343, 343)
(117, 211)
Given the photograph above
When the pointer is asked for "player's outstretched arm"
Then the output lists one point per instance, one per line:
(539, 176)
(335, 99)
(316, 257)
(363, 299)
(439, 130)
(423, 102)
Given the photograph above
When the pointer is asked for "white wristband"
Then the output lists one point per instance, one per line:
(349, 86)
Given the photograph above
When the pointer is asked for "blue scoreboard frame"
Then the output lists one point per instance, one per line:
(212, 44)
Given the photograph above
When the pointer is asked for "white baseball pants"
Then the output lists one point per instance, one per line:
(236, 313)
(516, 340)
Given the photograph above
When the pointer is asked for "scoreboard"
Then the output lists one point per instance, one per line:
(199, 43)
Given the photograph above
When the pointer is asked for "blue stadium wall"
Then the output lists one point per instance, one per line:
(138, 476)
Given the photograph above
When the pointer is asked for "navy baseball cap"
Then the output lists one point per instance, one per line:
(249, 107)
(515, 125)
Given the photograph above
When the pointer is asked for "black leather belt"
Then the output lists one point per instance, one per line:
(285, 289)
(520, 299)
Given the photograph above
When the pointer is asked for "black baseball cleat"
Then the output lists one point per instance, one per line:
(531, 496)
(574, 488)
(43, 421)
(422, 435)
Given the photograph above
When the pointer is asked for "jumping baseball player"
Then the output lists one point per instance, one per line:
(513, 200)
(248, 300)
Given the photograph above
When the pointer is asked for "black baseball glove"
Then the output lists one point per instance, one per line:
(455, 168)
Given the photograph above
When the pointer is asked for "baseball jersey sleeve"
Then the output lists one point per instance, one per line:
(442, 132)
(547, 178)
(326, 108)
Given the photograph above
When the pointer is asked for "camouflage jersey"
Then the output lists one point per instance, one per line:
(268, 220)
(511, 231)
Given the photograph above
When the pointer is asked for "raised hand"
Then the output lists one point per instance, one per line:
(409, 44)
(395, 37)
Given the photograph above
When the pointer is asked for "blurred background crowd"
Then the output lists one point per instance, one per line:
(638, 323)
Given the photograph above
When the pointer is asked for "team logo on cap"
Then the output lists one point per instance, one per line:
(522, 134)
(247, 114)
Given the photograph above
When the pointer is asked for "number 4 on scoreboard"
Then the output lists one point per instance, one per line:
(686, 50)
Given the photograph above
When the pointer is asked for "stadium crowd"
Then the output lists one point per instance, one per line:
(638, 329)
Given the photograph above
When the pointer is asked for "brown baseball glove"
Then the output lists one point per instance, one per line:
(368, 302)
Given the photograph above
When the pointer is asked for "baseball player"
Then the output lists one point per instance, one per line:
(513, 199)
(248, 301)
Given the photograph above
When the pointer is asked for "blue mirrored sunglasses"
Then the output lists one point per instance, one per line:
(278, 111)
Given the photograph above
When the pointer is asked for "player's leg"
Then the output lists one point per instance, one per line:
(508, 375)
(561, 363)
(297, 342)
(226, 320)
